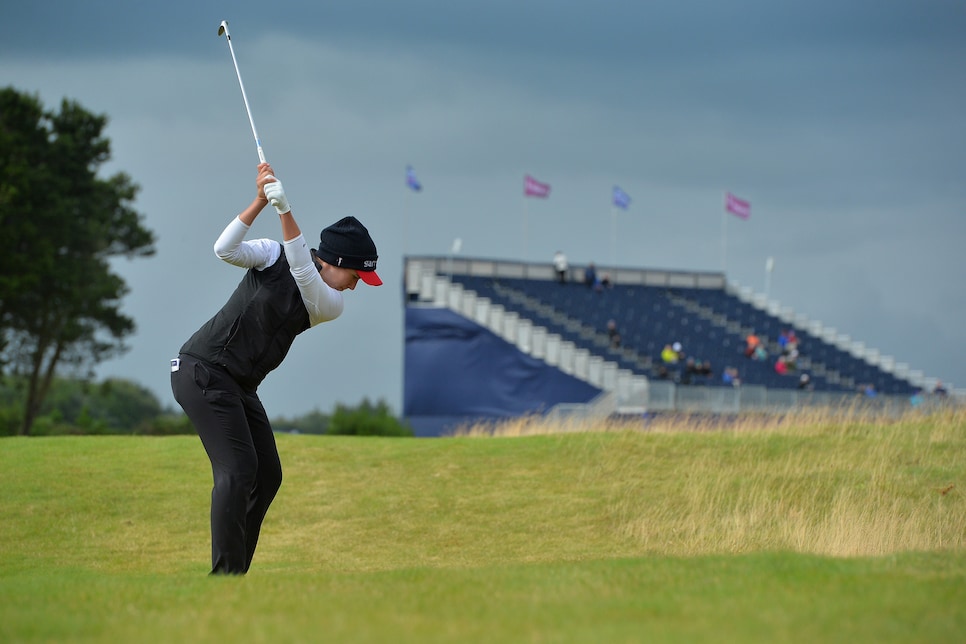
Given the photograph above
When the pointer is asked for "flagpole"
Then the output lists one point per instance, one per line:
(405, 222)
(613, 236)
(724, 239)
(526, 215)
(412, 185)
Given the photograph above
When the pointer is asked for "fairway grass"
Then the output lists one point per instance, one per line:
(817, 529)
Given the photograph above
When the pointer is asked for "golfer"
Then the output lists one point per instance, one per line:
(215, 377)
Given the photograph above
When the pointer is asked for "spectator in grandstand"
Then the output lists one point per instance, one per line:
(696, 371)
(781, 366)
(752, 342)
(791, 358)
(704, 368)
(613, 334)
(590, 275)
(687, 374)
(669, 355)
(939, 389)
(805, 382)
(604, 282)
(730, 377)
(560, 266)
(868, 390)
(759, 353)
(788, 341)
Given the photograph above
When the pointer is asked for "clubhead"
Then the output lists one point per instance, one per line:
(223, 28)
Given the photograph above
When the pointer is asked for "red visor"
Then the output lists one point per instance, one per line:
(370, 278)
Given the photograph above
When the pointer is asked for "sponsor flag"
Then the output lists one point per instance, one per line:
(533, 188)
(737, 206)
(621, 199)
(411, 179)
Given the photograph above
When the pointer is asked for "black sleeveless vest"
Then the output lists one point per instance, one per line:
(254, 330)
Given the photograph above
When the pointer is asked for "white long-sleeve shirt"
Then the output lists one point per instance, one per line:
(322, 302)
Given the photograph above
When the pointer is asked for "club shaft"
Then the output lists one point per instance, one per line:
(251, 121)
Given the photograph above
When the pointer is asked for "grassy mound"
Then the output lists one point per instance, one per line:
(797, 529)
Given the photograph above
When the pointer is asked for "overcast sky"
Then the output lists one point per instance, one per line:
(841, 121)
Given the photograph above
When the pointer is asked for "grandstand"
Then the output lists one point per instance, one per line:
(489, 339)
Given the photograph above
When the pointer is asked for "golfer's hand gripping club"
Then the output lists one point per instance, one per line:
(275, 194)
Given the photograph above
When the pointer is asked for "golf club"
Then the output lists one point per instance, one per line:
(223, 29)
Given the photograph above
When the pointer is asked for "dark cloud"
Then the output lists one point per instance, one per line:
(840, 121)
(626, 31)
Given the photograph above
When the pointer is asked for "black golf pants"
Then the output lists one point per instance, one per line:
(247, 473)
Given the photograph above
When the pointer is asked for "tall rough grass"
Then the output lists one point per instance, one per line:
(827, 481)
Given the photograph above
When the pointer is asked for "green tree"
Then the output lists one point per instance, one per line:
(120, 405)
(367, 420)
(314, 422)
(59, 299)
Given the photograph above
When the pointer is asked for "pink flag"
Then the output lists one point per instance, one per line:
(533, 188)
(737, 206)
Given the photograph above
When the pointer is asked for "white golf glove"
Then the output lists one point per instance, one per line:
(275, 194)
